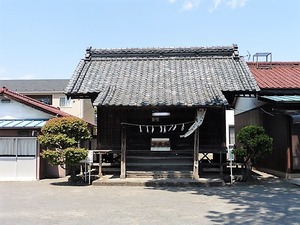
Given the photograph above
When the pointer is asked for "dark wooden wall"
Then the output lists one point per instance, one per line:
(295, 161)
(212, 131)
(109, 128)
(276, 125)
(252, 117)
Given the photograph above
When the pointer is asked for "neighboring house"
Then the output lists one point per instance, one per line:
(230, 129)
(51, 92)
(160, 107)
(21, 119)
(277, 109)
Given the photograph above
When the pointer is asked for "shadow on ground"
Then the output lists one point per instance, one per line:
(66, 182)
(264, 201)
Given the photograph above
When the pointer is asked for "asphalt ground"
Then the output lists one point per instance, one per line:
(54, 201)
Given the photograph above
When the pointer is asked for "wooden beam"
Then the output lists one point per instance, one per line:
(196, 151)
(123, 152)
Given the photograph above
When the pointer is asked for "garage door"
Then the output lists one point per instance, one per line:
(18, 158)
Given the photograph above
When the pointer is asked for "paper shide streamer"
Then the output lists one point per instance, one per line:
(165, 128)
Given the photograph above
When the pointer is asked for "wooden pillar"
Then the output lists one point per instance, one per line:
(224, 139)
(123, 152)
(196, 151)
(221, 162)
(100, 174)
(38, 161)
(288, 166)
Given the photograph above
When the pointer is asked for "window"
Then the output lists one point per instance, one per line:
(160, 144)
(47, 99)
(64, 101)
(5, 100)
(231, 135)
(17, 147)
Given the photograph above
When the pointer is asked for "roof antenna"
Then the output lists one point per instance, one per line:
(267, 57)
(248, 55)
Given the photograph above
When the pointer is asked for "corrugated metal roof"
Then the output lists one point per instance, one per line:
(282, 98)
(26, 123)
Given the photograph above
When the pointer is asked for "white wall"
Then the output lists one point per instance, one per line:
(244, 104)
(229, 122)
(81, 108)
(16, 110)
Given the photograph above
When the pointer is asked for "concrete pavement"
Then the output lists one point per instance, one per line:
(267, 201)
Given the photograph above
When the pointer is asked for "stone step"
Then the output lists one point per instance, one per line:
(159, 166)
(187, 163)
(159, 174)
(159, 159)
(159, 153)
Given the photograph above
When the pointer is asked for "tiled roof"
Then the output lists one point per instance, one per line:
(32, 102)
(32, 86)
(161, 76)
(276, 75)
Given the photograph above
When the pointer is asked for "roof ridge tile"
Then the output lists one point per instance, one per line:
(160, 52)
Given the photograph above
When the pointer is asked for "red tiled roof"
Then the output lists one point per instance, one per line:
(276, 75)
(32, 102)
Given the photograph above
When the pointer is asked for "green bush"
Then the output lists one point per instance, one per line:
(68, 157)
(60, 139)
(255, 145)
(74, 155)
(54, 157)
(63, 132)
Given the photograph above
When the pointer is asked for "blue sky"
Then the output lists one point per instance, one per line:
(45, 39)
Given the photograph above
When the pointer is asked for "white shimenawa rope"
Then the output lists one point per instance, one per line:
(163, 128)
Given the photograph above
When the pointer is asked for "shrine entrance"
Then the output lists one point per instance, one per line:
(164, 143)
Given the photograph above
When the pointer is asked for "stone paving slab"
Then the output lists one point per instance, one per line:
(151, 182)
